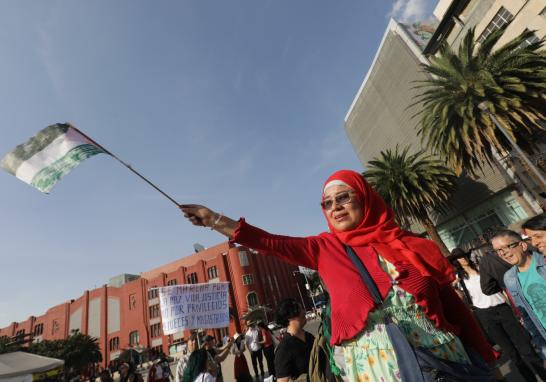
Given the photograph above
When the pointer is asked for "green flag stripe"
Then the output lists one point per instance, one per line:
(24, 151)
(46, 179)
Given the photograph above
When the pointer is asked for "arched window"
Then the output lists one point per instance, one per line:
(252, 299)
(134, 338)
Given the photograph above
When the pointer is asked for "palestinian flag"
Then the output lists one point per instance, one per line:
(48, 156)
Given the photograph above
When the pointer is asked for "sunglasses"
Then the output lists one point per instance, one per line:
(340, 199)
(504, 250)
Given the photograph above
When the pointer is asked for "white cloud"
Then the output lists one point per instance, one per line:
(409, 10)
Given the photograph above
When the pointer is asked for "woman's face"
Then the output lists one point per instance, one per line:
(342, 208)
(192, 344)
(538, 239)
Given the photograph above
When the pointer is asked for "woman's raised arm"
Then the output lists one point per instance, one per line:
(295, 250)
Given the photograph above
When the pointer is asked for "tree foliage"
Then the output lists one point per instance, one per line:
(77, 351)
(509, 82)
(411, 184)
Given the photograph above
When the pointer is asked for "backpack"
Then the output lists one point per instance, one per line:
(322, 364)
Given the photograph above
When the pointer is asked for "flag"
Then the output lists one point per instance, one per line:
(48, 156)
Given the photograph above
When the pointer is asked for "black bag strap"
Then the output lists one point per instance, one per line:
(410, 370)
(366, 277)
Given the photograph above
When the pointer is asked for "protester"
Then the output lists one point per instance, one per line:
(128, 373)
(155, 372)
(217, 355)
(293, 353)
(240, 366)
(497, 319)
(167, 374)
(267, 347)
(182, 363)
(492, 270)
(526, 282)
(535, 229)
(254, 344)
(409, 274)
(199, 367)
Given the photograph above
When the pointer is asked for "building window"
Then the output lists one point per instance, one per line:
(502, 18)
(154, 311)
(192, 278)
(55, 326)
(20, 333)
(171, 282)
(157, 350)
(243, 258)
(530, 40)
(252, 299)
(132, 301)
(114, 343)
(153, 293)
(212, 272)
(134, 338)
(247, 279)
(155, 330)
(38, 329)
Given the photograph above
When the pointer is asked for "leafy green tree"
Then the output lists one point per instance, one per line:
(413, 185)
(78, 351)
(509, 81)
(7, 345)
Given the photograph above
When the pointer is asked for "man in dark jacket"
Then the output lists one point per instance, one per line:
(492, 270)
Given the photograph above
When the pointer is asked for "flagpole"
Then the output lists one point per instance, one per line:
(123, 163)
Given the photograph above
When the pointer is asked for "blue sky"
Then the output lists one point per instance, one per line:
(237, 105)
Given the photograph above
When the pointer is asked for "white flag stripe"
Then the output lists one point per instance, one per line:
(55, 150)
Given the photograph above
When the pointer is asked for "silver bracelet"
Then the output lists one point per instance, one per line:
(216, 221)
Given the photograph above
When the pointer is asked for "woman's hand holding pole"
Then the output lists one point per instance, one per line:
(204, 217)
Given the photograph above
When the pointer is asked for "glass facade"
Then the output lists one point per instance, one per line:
(499, 211)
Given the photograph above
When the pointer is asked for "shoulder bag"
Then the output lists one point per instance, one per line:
(418, 364)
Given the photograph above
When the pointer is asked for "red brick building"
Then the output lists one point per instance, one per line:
(125, 313)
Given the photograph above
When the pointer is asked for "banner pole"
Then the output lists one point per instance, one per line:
(125, 164)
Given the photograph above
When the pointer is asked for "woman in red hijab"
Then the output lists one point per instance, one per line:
(412, 276)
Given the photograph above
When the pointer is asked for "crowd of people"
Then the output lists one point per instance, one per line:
(398, 309)
(394, 314)
(286, 353)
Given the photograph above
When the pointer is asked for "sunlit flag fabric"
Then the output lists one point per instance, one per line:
(52, 153)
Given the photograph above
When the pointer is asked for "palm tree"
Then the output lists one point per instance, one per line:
(510, 82)
(413, 185)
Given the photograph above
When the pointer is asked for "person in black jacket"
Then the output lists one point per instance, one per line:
(492, 270)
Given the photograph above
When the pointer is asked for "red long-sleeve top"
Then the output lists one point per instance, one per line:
(350, 300)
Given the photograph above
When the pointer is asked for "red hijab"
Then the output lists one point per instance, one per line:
(379, 230)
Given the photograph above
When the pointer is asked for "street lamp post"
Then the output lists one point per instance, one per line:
(301, 295)
(308, 287)
(520, 152)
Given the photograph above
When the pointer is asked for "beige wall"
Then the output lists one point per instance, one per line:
(526, 16)
(441, 8)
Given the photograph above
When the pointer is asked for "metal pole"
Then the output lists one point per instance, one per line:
(301, 296)
(520, 152)
(126, 165)
(310, 292)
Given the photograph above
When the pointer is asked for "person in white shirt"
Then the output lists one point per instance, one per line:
(253, 343)
(496, 317)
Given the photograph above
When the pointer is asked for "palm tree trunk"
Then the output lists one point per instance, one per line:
(433, 234)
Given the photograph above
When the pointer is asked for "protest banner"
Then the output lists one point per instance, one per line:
(194, 306)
